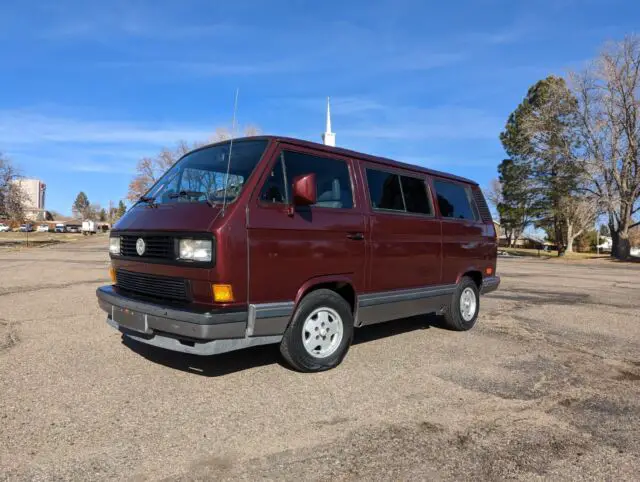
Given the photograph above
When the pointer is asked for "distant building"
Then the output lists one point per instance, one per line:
(35, 191)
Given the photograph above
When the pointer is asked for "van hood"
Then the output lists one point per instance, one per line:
(196, 217)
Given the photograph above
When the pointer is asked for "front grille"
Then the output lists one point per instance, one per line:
(485, 214)
(151, 285)
(157, 247)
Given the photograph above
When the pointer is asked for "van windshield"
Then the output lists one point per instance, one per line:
(200, 176)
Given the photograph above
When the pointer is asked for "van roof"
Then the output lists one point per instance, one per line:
(352, 154)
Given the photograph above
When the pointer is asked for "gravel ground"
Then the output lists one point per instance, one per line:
(546, 386)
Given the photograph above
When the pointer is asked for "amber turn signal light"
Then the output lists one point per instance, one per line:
(112, 274)
(222, 293)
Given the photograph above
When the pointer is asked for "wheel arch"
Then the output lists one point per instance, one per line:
(342, 284)
(475, 274)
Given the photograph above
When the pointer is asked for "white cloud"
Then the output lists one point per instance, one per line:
(201, 68)
(340, 105)
(21, 127)
(81, 145)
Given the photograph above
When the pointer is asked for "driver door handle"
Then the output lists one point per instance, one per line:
(356, 236)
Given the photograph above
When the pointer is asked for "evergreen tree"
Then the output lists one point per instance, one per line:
(517, 206)
(541, 137)
(121, 209)
(81, 206)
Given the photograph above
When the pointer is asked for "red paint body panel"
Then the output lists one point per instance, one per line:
(269, 255)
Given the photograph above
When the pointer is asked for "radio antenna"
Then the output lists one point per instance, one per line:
(233, 133)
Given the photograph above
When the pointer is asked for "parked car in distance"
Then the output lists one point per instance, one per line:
(25, 228)
(306, 243)
(60, 228)
(43, 228)
(4, 228)
(73, 228)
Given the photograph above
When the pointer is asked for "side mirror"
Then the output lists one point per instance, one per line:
(304, 190)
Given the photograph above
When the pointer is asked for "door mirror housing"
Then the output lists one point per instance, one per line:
(304, 190)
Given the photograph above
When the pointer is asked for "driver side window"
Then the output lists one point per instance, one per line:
(333, 183)
(273, 190)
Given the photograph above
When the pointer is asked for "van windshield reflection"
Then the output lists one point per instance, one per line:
(201, 176)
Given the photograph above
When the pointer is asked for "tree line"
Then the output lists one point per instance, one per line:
(83, 209)
(572, 147)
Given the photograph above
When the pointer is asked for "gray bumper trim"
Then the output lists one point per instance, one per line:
(204, 325)
(489, 284)
(214, 347)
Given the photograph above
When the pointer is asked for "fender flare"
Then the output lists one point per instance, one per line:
(318, 280)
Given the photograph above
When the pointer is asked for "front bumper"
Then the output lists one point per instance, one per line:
(489, 284)
(201, 332)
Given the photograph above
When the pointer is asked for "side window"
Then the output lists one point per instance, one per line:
(333, 183)
(453, 200)
(274, 190)
(415, 195)
(384, 190)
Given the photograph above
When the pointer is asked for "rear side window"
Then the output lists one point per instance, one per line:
(454, 200)
(333, 183)
(398, 193)
(415, 194)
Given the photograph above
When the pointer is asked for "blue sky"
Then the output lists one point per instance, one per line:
(87, 88)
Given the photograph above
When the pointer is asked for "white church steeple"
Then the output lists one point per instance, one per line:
(329, 138)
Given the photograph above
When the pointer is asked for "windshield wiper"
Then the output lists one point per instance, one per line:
(175, 195)
(147, 199)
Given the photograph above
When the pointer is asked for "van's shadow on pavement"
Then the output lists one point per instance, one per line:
(219, 365)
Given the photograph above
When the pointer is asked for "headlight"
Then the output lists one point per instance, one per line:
(195, 249)
(114, 245)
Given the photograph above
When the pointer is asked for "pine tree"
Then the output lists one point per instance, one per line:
(81, 206)
(541, 137)
(121, 209)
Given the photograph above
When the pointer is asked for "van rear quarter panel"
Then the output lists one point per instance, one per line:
(467, 245)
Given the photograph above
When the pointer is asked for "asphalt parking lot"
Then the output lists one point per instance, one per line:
(547, 385)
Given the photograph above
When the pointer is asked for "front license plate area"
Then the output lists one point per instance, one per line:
(130, 319)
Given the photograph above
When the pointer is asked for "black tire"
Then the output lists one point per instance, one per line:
(452, 313)
(292, 347)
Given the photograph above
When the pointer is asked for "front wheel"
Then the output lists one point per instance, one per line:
(320, 332)
(462, 312)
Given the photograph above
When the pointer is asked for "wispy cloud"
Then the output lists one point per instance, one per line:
(340, 105)
(201, 68)
(24, 127)
(367, 118)
(85, 145)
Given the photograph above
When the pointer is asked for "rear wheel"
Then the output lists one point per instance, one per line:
(462, 312)
(320, 332)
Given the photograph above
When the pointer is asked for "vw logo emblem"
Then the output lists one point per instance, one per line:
(140, 246)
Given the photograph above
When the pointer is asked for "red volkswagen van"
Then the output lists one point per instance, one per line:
(275, 240)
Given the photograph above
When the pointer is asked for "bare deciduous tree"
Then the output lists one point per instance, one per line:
(150, 169)
(579, 214)
(608, 93)
(493, 193)
(12, 196)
